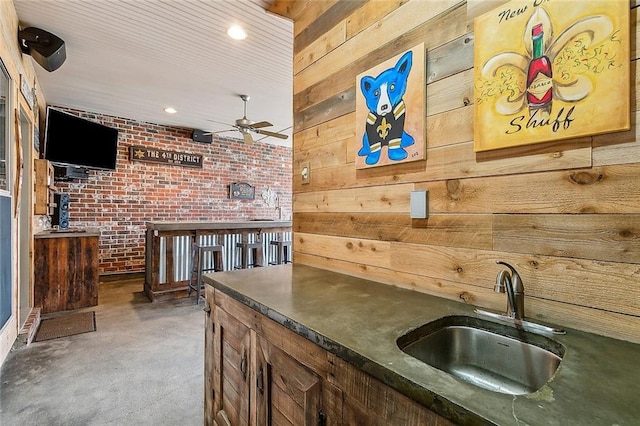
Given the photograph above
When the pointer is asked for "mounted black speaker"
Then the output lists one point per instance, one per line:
(202, 136)
(46, 49)
(60, 217)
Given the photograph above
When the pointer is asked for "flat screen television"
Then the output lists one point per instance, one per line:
(75, 141)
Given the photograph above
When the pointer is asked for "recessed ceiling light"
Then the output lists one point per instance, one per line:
(237, 33)
(170, 110)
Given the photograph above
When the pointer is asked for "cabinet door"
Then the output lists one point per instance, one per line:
(287, 393)
(232, 350)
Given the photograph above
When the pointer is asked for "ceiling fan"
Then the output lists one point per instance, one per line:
(246, 126)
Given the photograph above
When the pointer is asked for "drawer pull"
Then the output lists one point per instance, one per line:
(260, 381)
(243, 366)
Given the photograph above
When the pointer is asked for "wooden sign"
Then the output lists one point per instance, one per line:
(242, 190)
(152, 155)
(550, 70)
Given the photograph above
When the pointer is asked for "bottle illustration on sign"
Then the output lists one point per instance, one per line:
(539, 73)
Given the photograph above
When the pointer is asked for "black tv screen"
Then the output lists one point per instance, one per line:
(75, 141)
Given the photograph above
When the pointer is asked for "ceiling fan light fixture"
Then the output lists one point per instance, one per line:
(236, 32)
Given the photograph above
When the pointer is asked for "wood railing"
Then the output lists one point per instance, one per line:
(168, 263)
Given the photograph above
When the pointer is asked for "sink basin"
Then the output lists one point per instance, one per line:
(492, 356)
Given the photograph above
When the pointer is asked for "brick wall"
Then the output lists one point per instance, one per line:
(120, 202)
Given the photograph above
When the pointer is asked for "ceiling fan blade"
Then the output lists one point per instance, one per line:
(260, 124)
(219, 131)
(274, 134)
(247, 138)
(220, 122)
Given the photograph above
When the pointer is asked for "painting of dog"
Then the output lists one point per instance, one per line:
(390, 111)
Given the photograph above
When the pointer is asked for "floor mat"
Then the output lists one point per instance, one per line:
(67, 325)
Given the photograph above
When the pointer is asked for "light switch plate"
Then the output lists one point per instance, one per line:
(419, 204)
(305, 173)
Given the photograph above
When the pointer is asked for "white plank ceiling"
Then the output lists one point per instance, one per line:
(132, 58)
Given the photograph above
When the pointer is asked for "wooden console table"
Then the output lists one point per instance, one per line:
(168, 249)
(66, 270)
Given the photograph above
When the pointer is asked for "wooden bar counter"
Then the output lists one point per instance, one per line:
(168, 249)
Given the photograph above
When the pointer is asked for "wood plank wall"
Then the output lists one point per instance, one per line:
(565, 214)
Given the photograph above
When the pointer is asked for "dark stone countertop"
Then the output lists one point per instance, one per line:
(597, 383)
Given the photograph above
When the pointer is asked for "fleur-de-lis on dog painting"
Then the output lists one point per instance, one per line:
(390, 111)
(550, 70)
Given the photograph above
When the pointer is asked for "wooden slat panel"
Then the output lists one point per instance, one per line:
(450, 93)
(610, 189)
(312, 9)
(593, 284)
(370, 13)
(614, 238)
(450, 127)
(319, 47)
(356, 250)
(319, 19)
(455, 161)
(432, 34)
(619, 147)
(470, 231)
(291, 9)
(314, 137)
(481, 294)
(450, 58)
(569, 263)
(402, 20)
(459, 161)
(390, 198)
(324, 145)
(327, 155)
(477, 8)
(544, 276)
(369, 402)
(66, 273)
(341, 104)
(295, 345)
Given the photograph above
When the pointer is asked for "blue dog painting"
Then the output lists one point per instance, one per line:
(386, 117)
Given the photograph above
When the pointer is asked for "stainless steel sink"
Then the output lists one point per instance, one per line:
(493, 356)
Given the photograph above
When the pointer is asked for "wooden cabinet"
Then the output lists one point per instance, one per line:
(288, 393)
(66, 271)
(258, 372)
(232, 348)
(44, 188)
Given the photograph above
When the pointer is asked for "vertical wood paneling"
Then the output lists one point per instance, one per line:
(564, 213)
(66, 273)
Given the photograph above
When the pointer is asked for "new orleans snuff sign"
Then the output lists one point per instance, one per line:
(152, 155)
(547, 70)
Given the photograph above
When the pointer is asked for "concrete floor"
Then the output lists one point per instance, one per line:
(142, 366)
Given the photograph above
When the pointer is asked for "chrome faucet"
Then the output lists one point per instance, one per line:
(511, 283)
